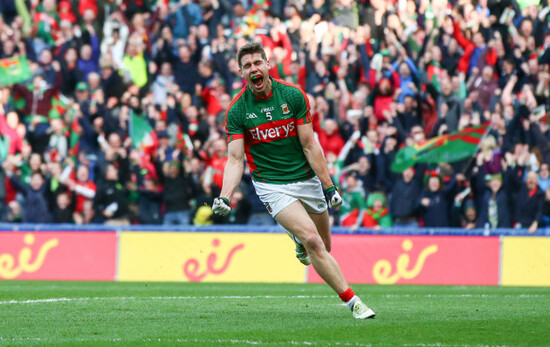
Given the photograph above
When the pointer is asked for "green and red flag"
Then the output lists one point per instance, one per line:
(74, 136)
(434, 72)
(14, 70)
(142, 134)
(183, 141)
(447, 148)
(17, 101)
(252, 21)
(59, 105)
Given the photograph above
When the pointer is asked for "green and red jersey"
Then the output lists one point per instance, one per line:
(381, 217)
(46, 24)
(351, 211)
(269, 128)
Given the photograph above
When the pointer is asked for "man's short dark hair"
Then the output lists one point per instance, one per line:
(250, 48)
(34, 173)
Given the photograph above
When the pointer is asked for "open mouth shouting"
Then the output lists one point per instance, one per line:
(257, 80)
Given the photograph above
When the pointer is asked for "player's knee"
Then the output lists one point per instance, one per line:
(313, 243)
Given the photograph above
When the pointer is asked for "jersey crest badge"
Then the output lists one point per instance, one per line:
(269, 209)
(285, 109)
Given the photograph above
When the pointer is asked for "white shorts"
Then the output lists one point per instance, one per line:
(278, 196)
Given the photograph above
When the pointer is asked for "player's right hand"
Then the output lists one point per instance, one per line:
(221, 206)
(333, 197)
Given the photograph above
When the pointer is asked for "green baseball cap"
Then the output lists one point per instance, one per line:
(81, 86)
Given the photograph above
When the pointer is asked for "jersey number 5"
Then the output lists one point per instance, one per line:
(268, 116)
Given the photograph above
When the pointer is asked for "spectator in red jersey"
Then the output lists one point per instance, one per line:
(330, 138)
(383, 83)
(216, 160)
(87, 5)
(377, 215)
(65, 11)
(476, 52)
(83, 190)
(10, 128)
(211, 94)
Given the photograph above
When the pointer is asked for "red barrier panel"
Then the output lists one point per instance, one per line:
(58, 256)
(447, 260)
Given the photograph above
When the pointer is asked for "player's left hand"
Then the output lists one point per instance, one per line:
(333, 197)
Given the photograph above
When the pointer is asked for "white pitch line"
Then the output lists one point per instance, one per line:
(12, 339)
(523, 296)
(221, 297)
(38, 301)
(226, 342)
(196, 341)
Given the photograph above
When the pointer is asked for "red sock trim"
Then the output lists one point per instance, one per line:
(347, 295)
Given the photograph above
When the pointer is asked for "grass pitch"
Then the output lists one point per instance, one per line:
(206, 314)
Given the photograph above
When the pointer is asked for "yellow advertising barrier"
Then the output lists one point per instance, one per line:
(208, 257)
(526, 261)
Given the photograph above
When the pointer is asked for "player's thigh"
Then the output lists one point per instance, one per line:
(322, 223)
(296, 219)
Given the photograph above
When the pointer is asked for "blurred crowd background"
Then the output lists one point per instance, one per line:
(122, 118)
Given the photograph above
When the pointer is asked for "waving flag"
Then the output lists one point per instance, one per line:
(183, 141)
(143, 136)
(74, 137)
(445, 148)
(60, 103)
(14, 70)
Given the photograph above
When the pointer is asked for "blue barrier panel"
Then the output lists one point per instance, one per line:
(272, 229)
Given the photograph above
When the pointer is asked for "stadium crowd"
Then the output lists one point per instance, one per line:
(379, 74)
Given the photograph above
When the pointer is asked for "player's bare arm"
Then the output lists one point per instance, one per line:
(232, 175)
(314, 154)
(233, 169)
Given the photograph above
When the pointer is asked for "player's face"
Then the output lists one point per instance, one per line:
(255, 71)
